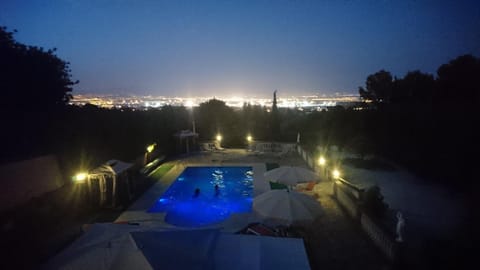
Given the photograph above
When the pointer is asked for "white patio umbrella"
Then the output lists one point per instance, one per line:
(109, 246)
(286, 206)
(113, 246)
(290, 176)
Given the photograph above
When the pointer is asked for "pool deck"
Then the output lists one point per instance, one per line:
(332, 241)
(137, 212)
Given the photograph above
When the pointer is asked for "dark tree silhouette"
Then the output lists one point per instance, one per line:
(459, 80)
(275, 120)
(416, 87)
(31, 78)
(274, 104)
(35, 86)
(378, 88)
(213, 117)
(255, 121)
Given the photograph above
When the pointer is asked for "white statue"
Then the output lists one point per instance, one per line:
(400, 226)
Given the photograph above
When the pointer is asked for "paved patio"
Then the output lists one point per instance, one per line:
(332, 241)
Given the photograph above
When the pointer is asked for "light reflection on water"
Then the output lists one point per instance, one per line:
(183, 208)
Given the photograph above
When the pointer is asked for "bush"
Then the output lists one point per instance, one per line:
(373, 202)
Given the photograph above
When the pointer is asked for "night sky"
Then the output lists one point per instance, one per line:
(193, 48)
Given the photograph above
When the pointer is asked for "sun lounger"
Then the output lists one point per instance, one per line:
(274, 185)
(305, 186)
(260, 229)
(216, 146)
(205, 147)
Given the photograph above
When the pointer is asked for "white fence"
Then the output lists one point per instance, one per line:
(379, 236)
(272, 147)
(346, 201)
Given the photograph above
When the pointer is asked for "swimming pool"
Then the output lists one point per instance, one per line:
(184, 208)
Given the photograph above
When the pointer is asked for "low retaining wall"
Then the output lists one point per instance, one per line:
(26, 179)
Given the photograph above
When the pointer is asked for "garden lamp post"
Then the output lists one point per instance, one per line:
(149, 149)
(322, 162)
(249, 141)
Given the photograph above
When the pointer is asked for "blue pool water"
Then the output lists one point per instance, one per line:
(183, 208)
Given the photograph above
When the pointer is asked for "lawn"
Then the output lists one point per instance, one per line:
(161, 171)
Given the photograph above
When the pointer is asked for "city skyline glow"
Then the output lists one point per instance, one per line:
(145, 102)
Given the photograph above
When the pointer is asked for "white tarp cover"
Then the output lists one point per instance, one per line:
(113, 246)
(112, 166)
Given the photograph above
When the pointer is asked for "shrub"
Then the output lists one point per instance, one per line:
(373, 202)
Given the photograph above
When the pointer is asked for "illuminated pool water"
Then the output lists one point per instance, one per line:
(183, 208)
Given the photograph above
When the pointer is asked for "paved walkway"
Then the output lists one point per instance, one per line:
(333, 241)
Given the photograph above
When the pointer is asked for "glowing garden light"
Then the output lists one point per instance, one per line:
(336, 174)
(80, 177)
(151, 147)
(219, 137)
(249, 138)
(322, 161)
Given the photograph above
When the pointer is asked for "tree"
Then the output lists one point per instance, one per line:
(373, 202)
(415, 87)
(31, 78)
(275, 119)
(214, 116)
(35, 85)
(274, 104)
(378, 88)
(459, 81)
(362, 145)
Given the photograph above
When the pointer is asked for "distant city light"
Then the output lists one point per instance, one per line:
(189, 103)
(153, 102)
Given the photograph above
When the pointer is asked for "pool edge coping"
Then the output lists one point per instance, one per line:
(137, 212)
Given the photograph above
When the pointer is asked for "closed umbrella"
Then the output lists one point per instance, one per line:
(290, 176)
(286, 206)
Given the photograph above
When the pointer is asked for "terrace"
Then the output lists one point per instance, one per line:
(331, 241)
